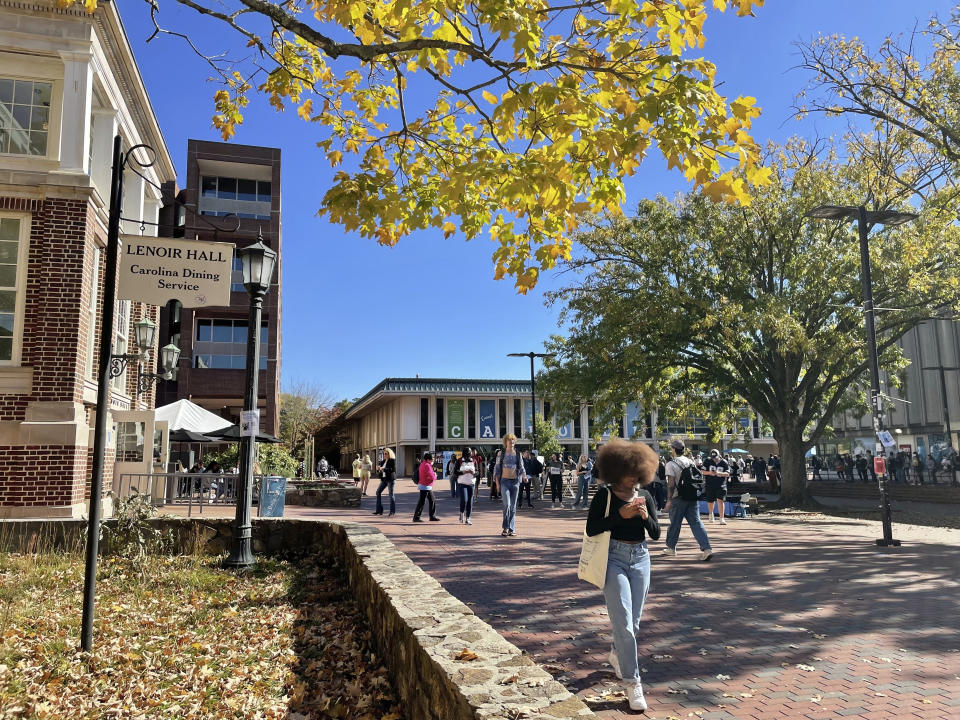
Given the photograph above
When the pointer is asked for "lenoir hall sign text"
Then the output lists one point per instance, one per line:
(156, 270)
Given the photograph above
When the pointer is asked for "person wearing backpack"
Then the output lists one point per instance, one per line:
(684, 483)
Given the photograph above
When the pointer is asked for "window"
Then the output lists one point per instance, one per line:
(13, 245)
(576, 425)
(24, 116)
(92, 316)
(471, 418)
(130, 441)
(502, 416)
(424, 418)
(222, 344)
(240, 189)
(517, 415)
(546, 410)
(440, 418)
(236, 276)
(120, 342)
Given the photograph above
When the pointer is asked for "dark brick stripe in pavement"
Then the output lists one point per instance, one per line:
(790, 620)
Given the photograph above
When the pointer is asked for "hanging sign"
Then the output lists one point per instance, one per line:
(249, 423)
(155, 270)
(454, 419)
(488, 427)
(886, 438)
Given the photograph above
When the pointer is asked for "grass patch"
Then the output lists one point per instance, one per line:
(179, 637)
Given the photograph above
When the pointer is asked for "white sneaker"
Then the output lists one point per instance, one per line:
(669, 551)
(615, 662)
(469, 521)
(712, 519)
(723, 521)
(706, 555)
(635, 696)
(461, 517)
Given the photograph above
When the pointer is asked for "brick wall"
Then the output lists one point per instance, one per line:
(42, 475)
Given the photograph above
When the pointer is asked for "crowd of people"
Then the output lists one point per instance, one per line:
(902, 467)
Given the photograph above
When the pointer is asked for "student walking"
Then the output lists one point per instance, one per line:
(357, 469)
(682, 502)
(507, 475)
(366, 467)
(623, 466)
(466, 482)
(427, 477)
(555, 475)
(388, 478)
(716, 473)
(584, 470)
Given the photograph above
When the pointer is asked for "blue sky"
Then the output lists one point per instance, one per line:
(355, 312)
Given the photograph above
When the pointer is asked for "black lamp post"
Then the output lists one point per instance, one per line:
(258, 262)
(533, 391)
(866, 219)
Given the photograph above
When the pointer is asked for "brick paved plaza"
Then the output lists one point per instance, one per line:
(793, 618)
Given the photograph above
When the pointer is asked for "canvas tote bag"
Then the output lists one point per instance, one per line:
(593, 554)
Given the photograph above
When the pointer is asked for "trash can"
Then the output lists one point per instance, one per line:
(273, 495)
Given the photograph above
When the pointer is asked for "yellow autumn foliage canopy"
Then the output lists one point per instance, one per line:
(509, 118)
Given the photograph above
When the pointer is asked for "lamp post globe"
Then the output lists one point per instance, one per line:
(257, 263)
(169, 356)
(145, 332)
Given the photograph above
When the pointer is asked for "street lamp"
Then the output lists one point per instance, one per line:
(258, 262)
(865, 219)
(533, 390)
(145, 335)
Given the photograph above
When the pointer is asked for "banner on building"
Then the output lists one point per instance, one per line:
(565, 432)
(455, 415)
(156, 270)
(488, 425)
(528, 416)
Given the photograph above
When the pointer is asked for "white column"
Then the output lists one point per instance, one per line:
(104, 130)
(132, 206)
(584, 430)
(432, 422)
(75, 111)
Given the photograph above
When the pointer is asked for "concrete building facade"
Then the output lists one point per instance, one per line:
(411, 415)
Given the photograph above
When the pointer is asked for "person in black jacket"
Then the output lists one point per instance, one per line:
(388, 478)
(626, 469)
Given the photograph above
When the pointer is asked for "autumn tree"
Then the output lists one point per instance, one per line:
(698, 307)
(548, 437)
(304, 409)
(507, 118)
(892, 84)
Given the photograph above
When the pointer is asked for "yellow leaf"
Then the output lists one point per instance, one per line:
(448, 229)
(490, 97)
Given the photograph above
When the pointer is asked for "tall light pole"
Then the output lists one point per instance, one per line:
(533, 390)
(258, 262)
(866, 219)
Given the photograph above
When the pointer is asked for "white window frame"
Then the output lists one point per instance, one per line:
(23, 249)
(92, 315)
(56, 101)
(121, 343)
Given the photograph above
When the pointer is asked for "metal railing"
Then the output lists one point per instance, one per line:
(191, 489)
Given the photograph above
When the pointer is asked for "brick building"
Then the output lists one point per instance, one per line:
(235, 188)
(68, 84)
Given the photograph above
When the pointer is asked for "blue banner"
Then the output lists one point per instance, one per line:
(565, 432)
(528, 416)
(488, 414)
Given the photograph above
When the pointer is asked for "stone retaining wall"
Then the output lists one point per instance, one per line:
(324, 497)
(447, 664)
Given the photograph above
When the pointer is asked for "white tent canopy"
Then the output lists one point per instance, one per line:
(184, 415)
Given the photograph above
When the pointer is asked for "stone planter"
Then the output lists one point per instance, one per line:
(325, 497)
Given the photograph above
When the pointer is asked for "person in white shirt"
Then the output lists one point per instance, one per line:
(466, 474)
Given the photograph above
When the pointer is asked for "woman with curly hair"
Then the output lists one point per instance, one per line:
(625, 469)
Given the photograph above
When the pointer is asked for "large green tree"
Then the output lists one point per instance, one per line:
(701, 307)
(507, 118)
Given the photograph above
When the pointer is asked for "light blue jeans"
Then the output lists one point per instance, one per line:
(625, 590)
(509, 490)
(689, 510)
(583, 490)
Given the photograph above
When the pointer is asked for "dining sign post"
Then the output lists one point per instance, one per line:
(156, 270)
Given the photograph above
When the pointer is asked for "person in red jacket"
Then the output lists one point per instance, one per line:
(425, 483)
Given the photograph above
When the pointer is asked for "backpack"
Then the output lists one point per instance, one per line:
(690, 482)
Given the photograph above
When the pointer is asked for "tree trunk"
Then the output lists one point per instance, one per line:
(793, 484)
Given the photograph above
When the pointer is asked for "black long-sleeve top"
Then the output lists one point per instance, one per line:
(633, 529)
